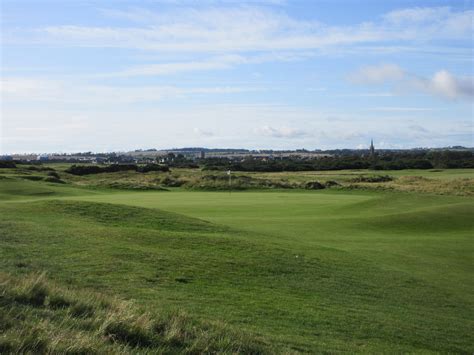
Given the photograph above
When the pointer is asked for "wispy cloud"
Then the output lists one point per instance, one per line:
(401, 109)
(163, 127)
(221, 62)
(46, 90)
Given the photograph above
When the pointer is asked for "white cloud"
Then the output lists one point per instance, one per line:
(442, 84)
(378, 74)
(418, 15)
(281, 132)
(203, 132)
(251, 28)
(418, 128)
(401, 109)
(21, 87)
(431, 22)
(215, 63)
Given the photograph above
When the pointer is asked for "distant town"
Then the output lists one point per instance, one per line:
(143, 156)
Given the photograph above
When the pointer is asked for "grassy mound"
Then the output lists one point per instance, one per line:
(125, 216)
(37, 316)
(443, 219)
(15, 188)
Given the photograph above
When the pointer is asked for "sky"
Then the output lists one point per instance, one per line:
(85, 75)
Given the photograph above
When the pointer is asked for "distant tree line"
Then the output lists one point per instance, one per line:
(96, 169)
(7, 164)
(387, 161)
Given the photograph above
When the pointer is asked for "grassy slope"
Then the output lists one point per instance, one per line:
(326, 270)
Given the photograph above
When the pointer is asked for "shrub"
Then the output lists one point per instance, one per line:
(169, 181)
(314, 185)
(53, 174)
(153, 167)
(331, 183)
(7, 164)
(31, 177)
(95, 169)
(372, 178)
(38, 168)
(113, 168)
(83, 169)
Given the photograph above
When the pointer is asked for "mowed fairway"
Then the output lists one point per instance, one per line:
(334, 270)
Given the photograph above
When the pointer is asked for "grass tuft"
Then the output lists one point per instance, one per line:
(33, 290)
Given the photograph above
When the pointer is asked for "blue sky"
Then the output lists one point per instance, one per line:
(272, 74)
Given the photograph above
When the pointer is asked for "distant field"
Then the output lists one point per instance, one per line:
(360, 269)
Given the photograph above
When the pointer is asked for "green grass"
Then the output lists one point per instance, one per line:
(310, 271)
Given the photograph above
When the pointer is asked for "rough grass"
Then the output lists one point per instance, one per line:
(436, 181)
(458, 186)
(37, 316)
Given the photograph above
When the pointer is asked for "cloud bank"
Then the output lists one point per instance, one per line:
(441, 84)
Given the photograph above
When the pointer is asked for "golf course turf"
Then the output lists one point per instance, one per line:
(351, 270)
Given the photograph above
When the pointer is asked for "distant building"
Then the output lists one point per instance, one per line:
(202, 154)
(6, 157)
(42, 157)
(372, 148)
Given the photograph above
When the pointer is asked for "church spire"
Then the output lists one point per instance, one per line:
(372, 148)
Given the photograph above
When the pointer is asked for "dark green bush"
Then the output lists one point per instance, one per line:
(372, 178)
(95, 169)
(153, 167)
